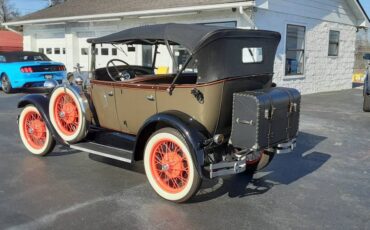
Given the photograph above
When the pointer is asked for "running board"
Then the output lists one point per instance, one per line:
(104, 151)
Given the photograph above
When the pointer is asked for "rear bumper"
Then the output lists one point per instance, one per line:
(37, 84)
(234, 167)
(35, 79)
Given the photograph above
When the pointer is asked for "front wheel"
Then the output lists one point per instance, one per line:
(34, 133)
(67, 116)
(170, 167)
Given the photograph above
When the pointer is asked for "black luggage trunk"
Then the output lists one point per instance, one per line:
(263, 119)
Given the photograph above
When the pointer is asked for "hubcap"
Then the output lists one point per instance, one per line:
(169, 166)
(66, 114)
(34, 130)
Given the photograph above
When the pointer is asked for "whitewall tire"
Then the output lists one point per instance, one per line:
(169, 166)
(67, 116)
(34, 133)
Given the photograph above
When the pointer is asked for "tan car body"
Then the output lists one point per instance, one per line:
(125, 106)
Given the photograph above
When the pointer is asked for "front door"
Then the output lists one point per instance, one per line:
(134, 106)
(103, 96)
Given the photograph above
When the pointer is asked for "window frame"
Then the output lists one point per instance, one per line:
(292, 75)
(103, 53)
(57, 51)
(338, 43)
(114, 52)
(47, 51)
(85, 53)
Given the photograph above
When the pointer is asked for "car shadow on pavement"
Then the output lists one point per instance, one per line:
(284, 169)
(63, 151)
(137, 167)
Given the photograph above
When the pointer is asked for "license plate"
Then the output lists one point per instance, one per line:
(48, 76)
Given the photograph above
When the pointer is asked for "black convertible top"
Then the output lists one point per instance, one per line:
(23, 56)
(191, 36)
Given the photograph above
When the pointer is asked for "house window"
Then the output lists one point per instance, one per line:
(41, 50)
(295, 49)
(334, 43)
(56, 50)
(84, 51)
(105, 51)
(114, 51)
(49, 51)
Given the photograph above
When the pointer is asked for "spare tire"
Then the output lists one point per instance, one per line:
(67, 115)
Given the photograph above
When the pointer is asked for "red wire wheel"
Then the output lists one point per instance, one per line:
(34, 130)
(169, 166)
(34, 133)
(66, 114)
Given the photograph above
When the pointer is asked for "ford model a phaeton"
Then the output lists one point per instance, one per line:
(219, 114)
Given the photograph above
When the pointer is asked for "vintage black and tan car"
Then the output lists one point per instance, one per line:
(218, 114)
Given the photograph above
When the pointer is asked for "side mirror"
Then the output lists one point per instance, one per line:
(367, 56)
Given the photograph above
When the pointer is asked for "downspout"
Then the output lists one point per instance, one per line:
(248, 17)
(12, 30)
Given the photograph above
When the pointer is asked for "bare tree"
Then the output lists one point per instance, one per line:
(55, 2)
(7, 11)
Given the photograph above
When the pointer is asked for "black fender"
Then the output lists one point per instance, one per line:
(194, 133)
(41, 102)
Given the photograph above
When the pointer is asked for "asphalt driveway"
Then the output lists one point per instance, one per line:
(324, 184)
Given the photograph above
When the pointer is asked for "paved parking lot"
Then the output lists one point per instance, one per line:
(324, 184)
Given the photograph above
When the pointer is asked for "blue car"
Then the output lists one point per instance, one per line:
(20, 70)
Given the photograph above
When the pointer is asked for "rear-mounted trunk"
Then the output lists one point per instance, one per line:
(264, 119)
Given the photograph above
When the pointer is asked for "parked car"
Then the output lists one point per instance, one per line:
(367, 85)
(226, 117)
(19, 70)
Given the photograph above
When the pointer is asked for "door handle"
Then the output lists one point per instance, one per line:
(150, 98)
(111, 94)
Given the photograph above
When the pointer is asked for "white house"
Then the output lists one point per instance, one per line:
(316, 52)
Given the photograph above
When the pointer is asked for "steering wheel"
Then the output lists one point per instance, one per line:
(120, 75)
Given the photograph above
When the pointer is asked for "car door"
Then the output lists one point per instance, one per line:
(135, 104)
(103, 96)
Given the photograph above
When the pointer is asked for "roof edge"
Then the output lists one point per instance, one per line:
(135, 13)
(363, 11)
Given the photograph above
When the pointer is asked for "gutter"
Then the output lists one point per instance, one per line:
(137, 13)
(12, 30)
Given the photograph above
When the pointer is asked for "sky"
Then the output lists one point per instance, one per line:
(29, 6)
(366, 5)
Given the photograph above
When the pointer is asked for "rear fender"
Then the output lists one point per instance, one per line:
(41, 102)
(194, 133)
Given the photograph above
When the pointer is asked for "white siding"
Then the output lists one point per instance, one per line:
(322, 73)
(326, 10)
